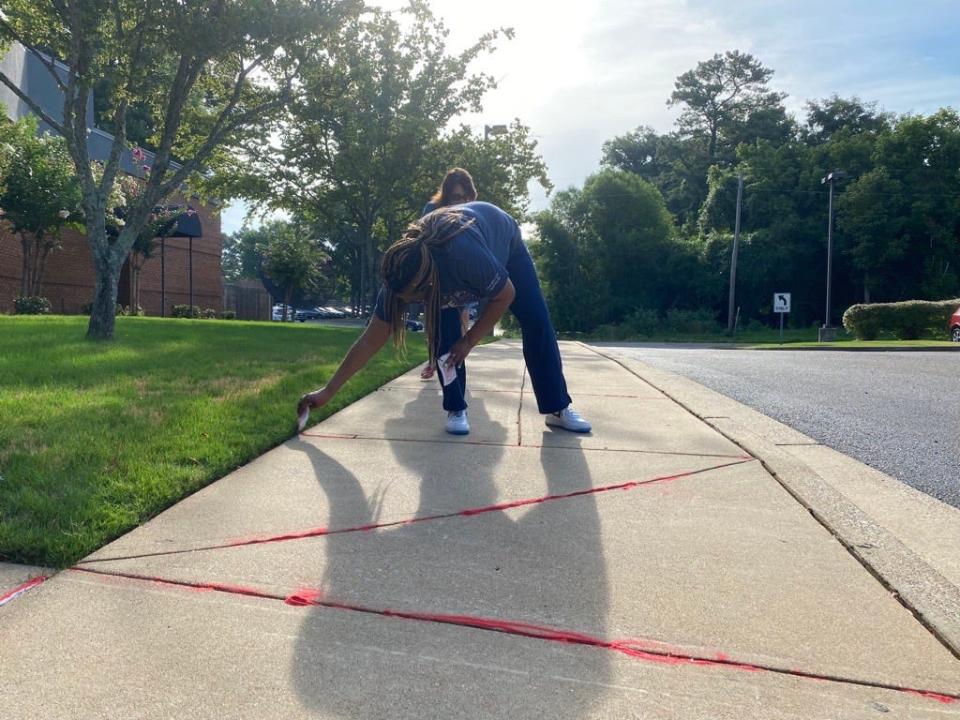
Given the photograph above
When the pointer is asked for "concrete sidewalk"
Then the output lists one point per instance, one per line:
(376, 567)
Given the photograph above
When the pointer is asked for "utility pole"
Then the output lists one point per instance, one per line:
(733, 259)
(827, 332)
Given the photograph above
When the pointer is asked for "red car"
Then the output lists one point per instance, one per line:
(955, 326)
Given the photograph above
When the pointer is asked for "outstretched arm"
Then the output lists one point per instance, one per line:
(496, 307)
(367, 345)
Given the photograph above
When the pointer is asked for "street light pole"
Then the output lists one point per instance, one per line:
(827, 329)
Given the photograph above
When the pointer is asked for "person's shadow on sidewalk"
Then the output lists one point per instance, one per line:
(542, 564)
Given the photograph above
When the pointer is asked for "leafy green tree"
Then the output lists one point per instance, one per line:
(610, 249)
(827, 117)
(502, 167)
(353, 144)
(922, 155)
(240, 257)
(871, 212)
(209, 72)
(720, 95)
(677, 166)
(292, 259)
(40, 196)
(574, 287)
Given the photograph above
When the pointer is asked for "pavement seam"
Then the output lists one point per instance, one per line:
(933, 600)
(466, 512)
(22, 588)
(531, 446)
(483, 391)
(523, 383)
(308, 597)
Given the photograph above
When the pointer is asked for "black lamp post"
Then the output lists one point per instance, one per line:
(828, 332)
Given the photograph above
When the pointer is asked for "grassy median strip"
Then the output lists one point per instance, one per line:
(97, 438)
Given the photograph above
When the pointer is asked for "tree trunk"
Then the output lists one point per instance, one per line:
(43, 252)
(104, 310)
(25, 270)
(135, 303)
(373, 275)
(363, 278)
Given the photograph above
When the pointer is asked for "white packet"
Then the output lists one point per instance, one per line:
(449, 374)
(302, 419)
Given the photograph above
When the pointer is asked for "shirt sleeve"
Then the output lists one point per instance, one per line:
(428, 208)
(382, 307)
(479, 270)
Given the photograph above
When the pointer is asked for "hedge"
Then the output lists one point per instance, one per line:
(34, 305)
(909, 320)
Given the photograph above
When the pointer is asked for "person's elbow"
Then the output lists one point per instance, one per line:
(506, 295)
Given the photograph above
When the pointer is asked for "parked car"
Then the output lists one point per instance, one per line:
(414, 325)
(304, 314)
(277, 313)
(955, 326)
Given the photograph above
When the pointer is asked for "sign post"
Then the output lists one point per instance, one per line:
(781, 304)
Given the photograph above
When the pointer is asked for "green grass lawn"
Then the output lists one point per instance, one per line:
(97, 438)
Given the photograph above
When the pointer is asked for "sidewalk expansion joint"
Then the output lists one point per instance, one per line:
(527, 391)
(467, 512)
(21, 589)
(523, 384)
(528, 446)
(638, 648)
(931, 576)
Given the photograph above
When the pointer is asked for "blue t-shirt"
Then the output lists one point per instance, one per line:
(471, 266)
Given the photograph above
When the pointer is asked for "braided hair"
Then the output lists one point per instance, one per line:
(408, 268)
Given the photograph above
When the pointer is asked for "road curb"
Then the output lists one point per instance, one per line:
(924, 591)
(891, 348)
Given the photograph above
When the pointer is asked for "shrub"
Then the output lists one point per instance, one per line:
(34, 305)
(693, 322)
(185, 311)
(909, 320)
(228, 315)
(642, 321)
(209, 314)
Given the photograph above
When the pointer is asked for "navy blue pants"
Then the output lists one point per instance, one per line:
(540, 350)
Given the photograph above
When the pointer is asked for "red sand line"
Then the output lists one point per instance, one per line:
(647, 650)
(21, 589)
(467, 512)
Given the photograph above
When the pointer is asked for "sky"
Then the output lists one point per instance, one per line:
(580, 73)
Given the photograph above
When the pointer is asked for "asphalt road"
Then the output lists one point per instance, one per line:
(896, 411)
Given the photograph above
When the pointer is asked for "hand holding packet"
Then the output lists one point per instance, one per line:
(449, 374)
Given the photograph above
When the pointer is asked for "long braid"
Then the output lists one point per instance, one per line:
(408, 267)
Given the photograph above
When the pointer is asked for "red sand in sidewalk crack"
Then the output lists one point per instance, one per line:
(647, 650)
(469, 512)
(21, 589)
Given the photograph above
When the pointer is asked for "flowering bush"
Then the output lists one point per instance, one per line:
(31, 306)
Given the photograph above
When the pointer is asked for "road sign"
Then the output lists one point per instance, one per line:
(781, 302)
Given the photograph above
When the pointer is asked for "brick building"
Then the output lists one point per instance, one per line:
(181, 264)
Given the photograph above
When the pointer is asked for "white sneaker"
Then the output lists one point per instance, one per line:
(457, 422)
(568, 419)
